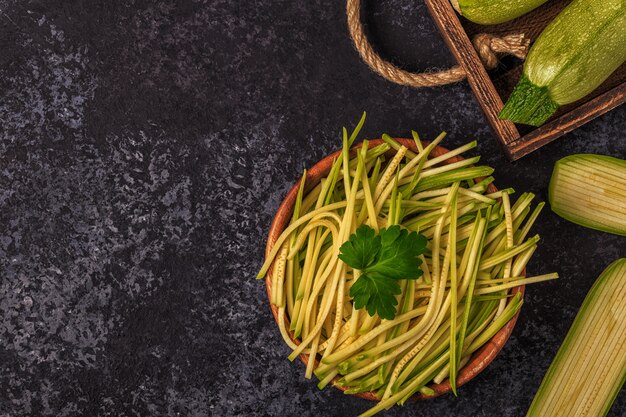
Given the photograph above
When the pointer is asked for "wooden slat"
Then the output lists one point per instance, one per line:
(453, 33)
(567, 122)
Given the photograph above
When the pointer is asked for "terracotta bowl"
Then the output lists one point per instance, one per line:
(479, 361)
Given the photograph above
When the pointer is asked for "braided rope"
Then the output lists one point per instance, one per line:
(486, 45)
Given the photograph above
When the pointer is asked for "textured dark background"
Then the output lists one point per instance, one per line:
(144, 149)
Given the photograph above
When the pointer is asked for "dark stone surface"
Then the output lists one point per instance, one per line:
(144, 149)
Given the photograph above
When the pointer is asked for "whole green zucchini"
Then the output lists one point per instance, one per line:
(571, 58)
(491, 12)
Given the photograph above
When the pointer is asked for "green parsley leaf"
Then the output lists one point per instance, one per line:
(382, 259)
(377, 294)
(361, 251)
(399, 253)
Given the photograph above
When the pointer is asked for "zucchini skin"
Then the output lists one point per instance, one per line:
(602, 293)
(491, 12)
(576, 53)
(590, 196)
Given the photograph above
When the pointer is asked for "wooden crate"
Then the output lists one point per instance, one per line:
(494, 87)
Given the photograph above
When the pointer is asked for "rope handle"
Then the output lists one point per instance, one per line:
(487, 46)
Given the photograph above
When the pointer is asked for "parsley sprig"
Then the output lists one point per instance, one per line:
(382, 259)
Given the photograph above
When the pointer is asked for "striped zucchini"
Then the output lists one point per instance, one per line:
(590, 190)
(491, 12)
(574, 55)
(590, 367)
